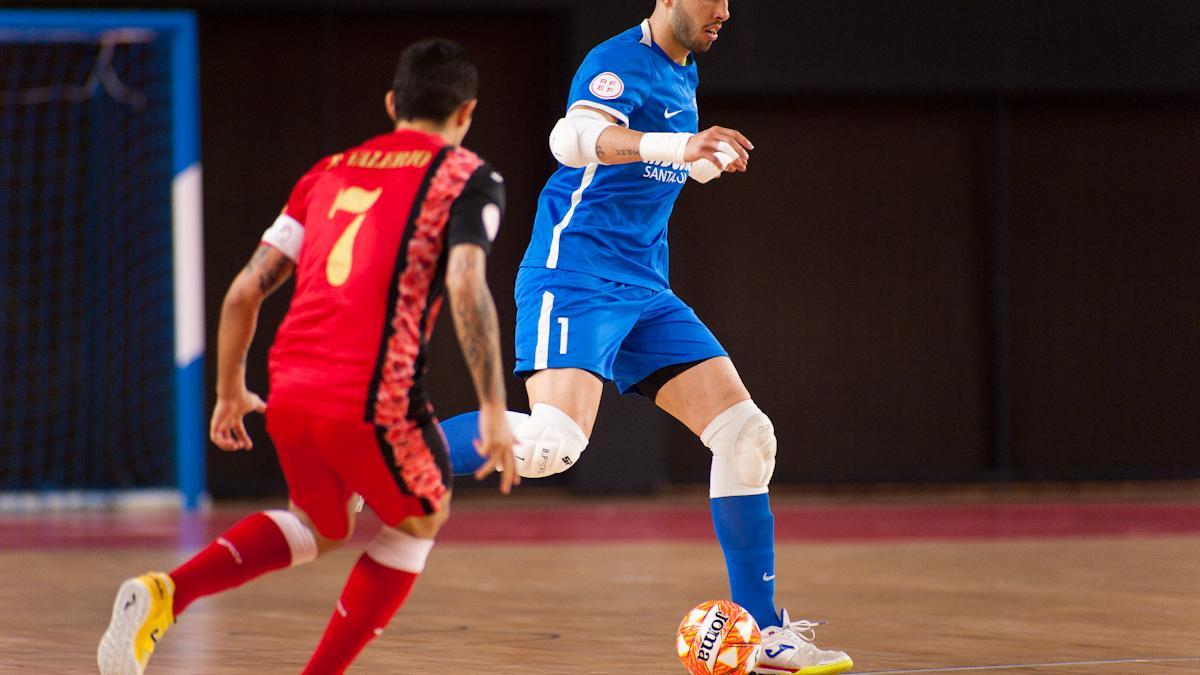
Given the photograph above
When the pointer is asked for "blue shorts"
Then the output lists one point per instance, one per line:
(619, 332)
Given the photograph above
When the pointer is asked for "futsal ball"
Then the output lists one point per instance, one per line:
(718, 637)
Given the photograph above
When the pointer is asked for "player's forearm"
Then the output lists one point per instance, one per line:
(265, 272)
(622, 145)
(478, 328)
(239, 320)
(619, 145)
(479, 335)
(588, 136)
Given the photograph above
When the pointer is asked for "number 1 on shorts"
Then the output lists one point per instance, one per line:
(563, 322)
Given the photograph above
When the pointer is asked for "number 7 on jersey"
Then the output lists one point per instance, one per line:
(354, 200)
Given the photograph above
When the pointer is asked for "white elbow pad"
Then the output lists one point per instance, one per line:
(573, 138)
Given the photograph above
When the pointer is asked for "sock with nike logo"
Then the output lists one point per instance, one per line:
(372, 595)
(257, 544)
(746, 530)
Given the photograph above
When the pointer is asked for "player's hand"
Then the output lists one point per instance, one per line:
(496, 444)
(227, 429)
(705, 145)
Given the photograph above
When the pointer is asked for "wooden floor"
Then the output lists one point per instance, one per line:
(1092, 603)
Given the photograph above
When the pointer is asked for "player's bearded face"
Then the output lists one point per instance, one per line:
(696, 30)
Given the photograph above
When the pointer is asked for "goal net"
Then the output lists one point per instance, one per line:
(100, 273)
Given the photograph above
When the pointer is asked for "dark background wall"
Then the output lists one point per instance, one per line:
(1105, 288)
(967, 248)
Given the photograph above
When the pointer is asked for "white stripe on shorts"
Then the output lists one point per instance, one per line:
(576, 197)
(542, 353)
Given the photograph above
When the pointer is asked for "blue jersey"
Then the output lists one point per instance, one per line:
(611, 221)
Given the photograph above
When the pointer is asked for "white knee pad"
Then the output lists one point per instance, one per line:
(399, 550)
(548, 442)
(742, 440)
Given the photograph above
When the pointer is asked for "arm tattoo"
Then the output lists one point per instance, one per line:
(270, 278)
(628, 152)
(270, 275)
(256, 260)
(478, 330)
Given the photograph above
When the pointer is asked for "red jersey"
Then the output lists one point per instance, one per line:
(369, 230)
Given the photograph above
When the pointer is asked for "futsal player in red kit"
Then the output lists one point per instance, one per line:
(375, 235)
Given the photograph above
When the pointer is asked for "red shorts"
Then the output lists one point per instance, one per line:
(325, 461)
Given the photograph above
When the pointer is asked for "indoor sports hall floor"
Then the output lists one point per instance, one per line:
(1049, 580)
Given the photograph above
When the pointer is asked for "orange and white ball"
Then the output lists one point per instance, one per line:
(718, 637)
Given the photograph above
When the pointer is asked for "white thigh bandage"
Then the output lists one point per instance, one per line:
(300, 539)
(573, 139)
(742, 440)
(399, 550)
(548, 442)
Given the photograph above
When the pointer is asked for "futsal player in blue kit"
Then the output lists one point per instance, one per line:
(594, 301)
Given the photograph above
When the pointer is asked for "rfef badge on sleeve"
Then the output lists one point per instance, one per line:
(606, 86)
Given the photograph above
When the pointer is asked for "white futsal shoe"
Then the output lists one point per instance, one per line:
(789, 650)
(142, 613)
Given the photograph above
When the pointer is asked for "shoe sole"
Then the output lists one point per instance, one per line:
(824, 669)
(116, 655)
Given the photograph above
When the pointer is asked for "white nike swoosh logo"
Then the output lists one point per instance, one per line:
(768, 578)
(668, 114)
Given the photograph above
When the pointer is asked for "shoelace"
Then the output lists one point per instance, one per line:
(803, 629)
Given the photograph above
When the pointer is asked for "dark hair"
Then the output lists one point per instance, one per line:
(433, 78)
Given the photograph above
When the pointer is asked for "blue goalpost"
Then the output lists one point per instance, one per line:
(101, 260)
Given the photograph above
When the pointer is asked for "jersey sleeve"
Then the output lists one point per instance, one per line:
(287, 232)
(612, 80)
(475, 216)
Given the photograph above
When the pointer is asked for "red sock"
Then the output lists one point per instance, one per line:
(372, 595)
(252, 547)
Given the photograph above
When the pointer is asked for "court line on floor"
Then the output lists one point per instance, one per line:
(465, 628)
(1014, 666)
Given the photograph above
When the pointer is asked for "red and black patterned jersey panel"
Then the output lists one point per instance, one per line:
(398, 403)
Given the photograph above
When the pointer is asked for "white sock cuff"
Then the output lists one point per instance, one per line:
(559, 420)
(738, 412)
(400, 550)
(300, 539)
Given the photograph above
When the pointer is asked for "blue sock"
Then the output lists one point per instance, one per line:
(461, 432)
(746, 530)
